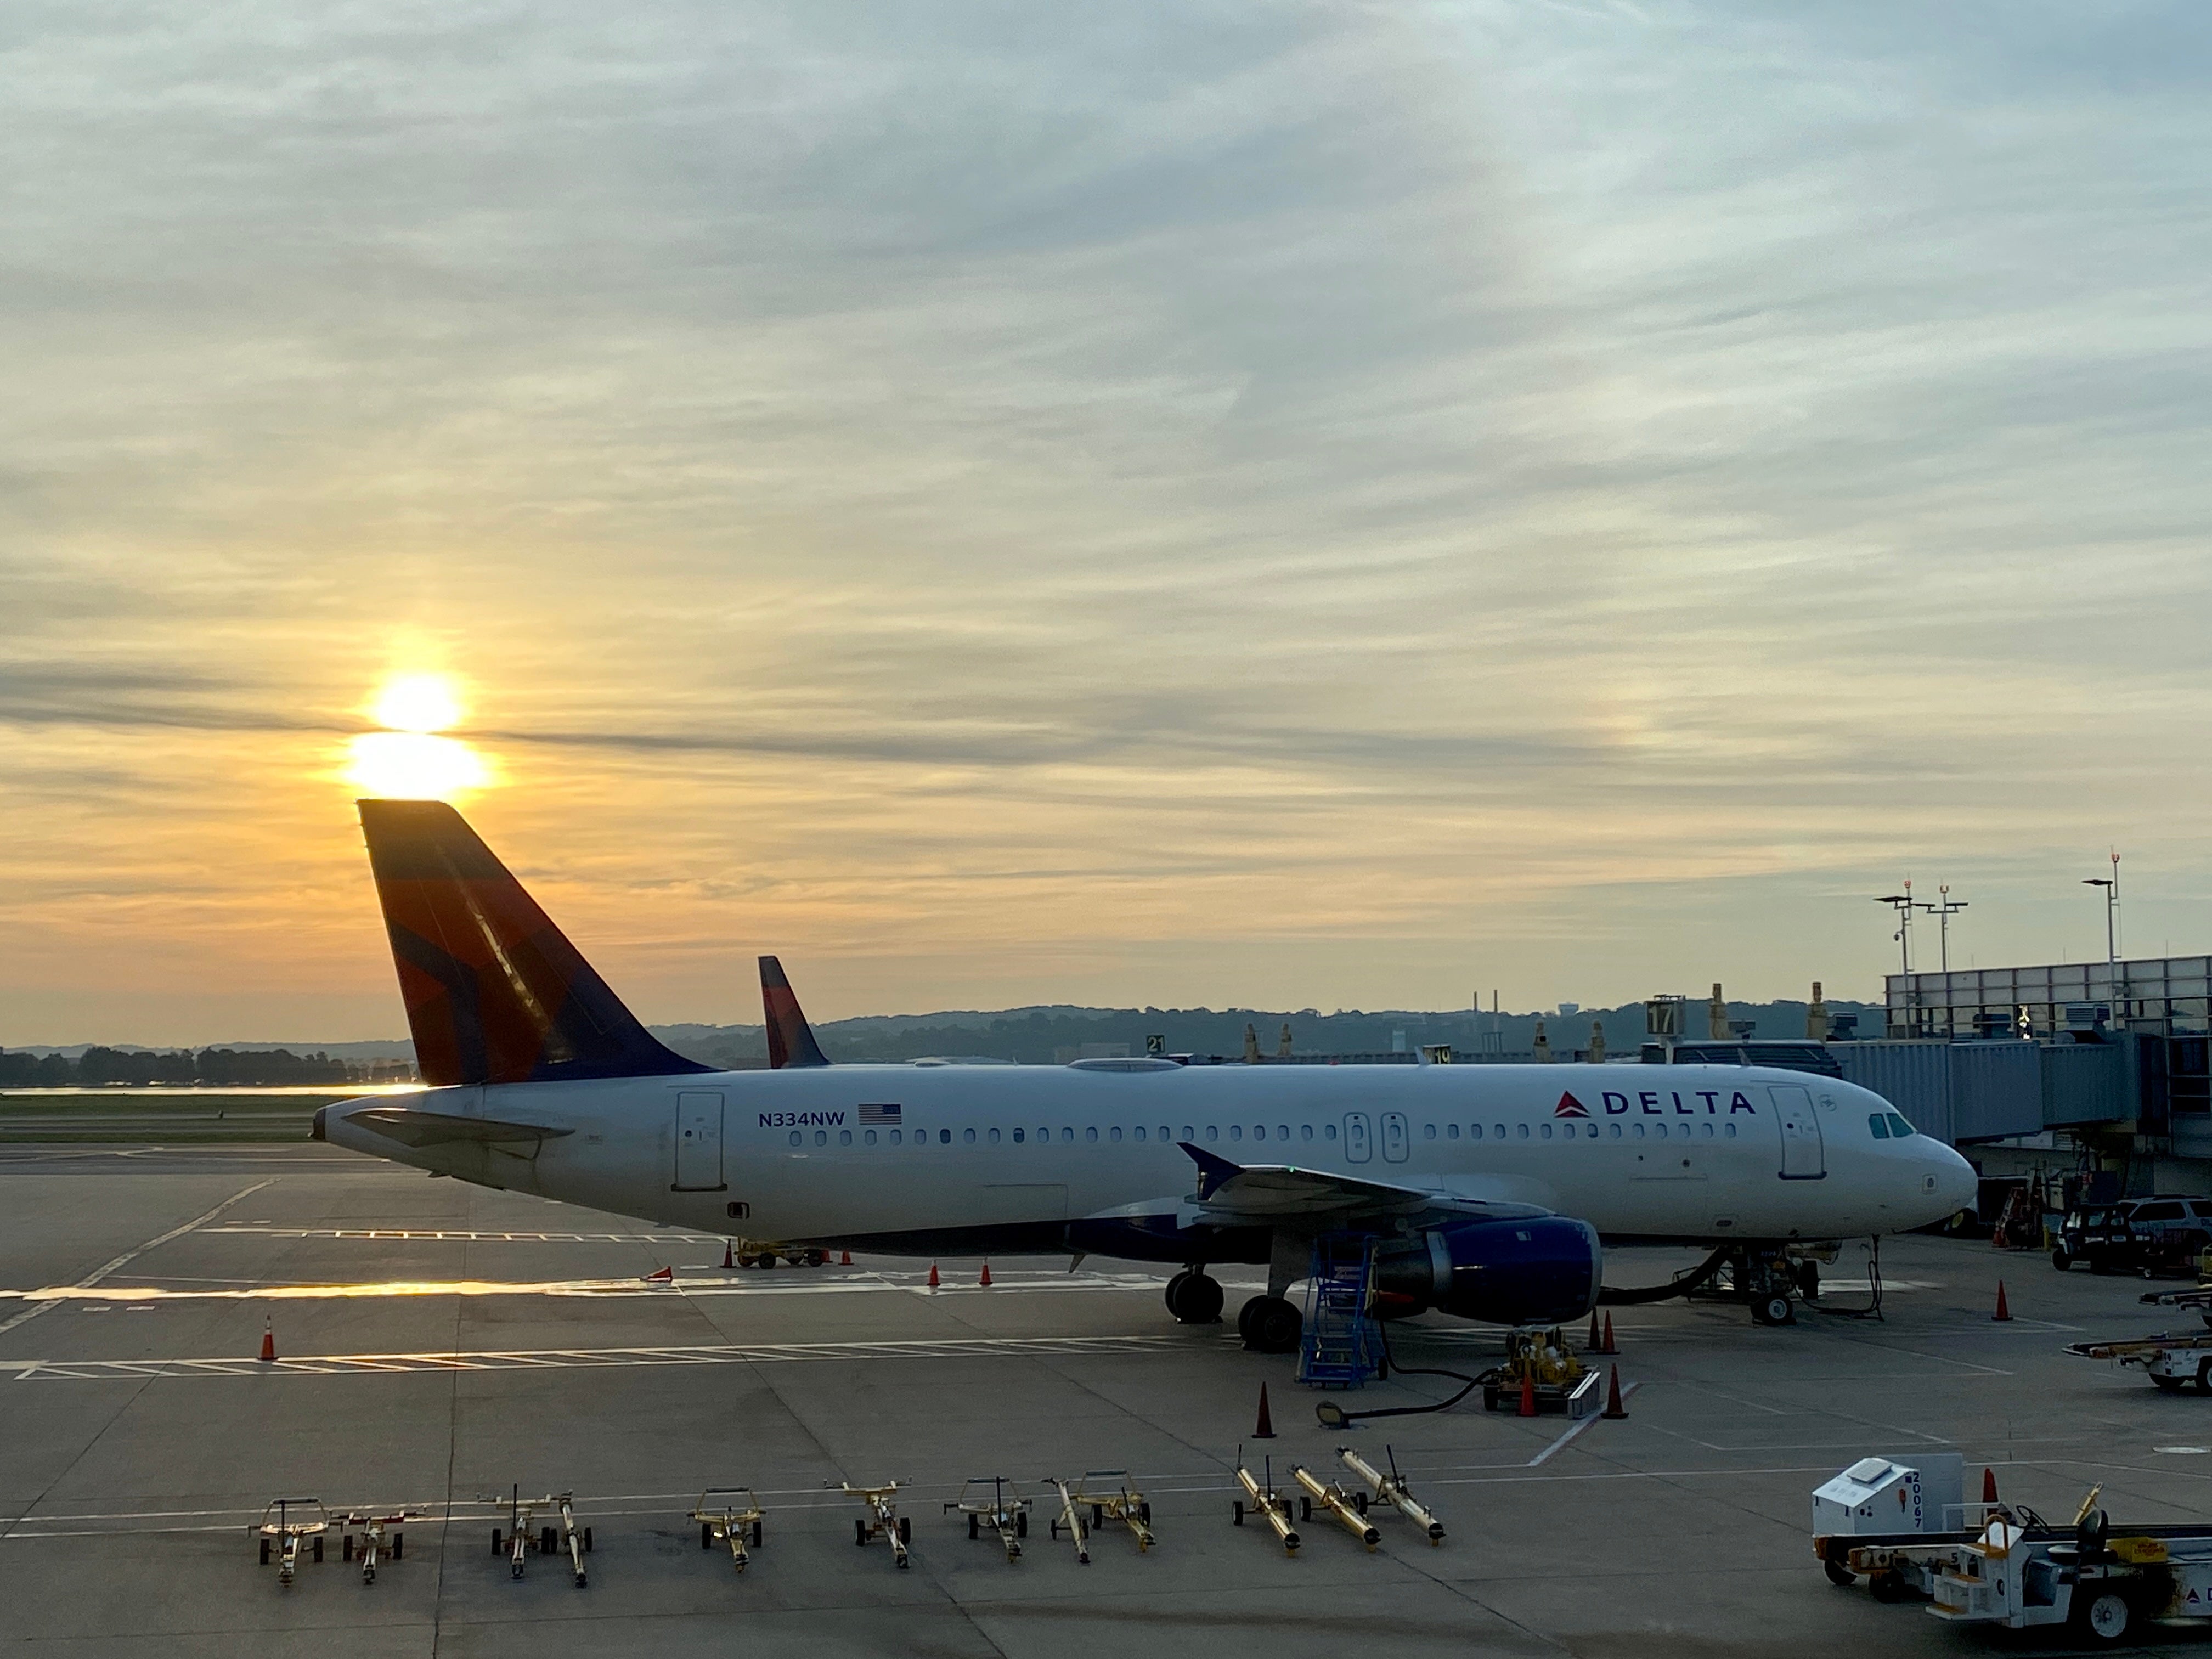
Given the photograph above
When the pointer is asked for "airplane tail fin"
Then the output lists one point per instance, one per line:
(494, 993)
(790, 1038)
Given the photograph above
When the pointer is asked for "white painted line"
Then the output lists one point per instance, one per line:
(94, 1277)
(1560, 1444)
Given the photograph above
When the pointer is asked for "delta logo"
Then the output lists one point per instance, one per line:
(1570, 1107)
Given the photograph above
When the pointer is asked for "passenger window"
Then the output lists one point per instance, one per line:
(1498, 1129)
(1451, 1132)
(1282, 1132)
(1236, 1132)
(1212, 1132)
(844, 1137)
(1114, 1133)
(1474, 1132)
(1639, 1132)
(945, 1137)
(1878, 1122)
(1259, 1132)
(1044, 1135)
(1091, 1133)
(1017, 1137)
(794, 1136)
(994, 1137)
(821, 1137)
(1328, 1131)
(870, 1137)
(1067, 1134)
(1188, 1134)
(1165, 1135)
(968, 1135)
(894, 1137)
(1709, 1131)
(1900, 1128)
(1614, 1130)
(1305, 1132)
(1523, 1129)
(1728, 1131)
(1428, 1132)
(1547, 1132)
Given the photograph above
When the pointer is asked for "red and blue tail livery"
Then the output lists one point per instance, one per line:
(790, 1038)
(495, 992)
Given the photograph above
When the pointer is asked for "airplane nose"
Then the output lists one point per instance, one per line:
(1956, 1180)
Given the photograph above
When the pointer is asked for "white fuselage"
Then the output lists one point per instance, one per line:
(898, 1154)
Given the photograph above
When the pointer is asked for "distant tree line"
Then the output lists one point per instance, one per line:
(230, 1069)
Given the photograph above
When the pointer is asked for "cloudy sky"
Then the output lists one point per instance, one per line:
(1261, 505)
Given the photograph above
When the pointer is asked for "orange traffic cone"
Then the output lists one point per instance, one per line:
(2002, 1311)
(985, 1279)
(1592, 1343)
(1607, 1345)
(1614, 1408)
(269, 1339)
(728, 1259)
(845, 1259)
(1266, 1429)
(1528, 1393)
(932, 1275)
(1989, 1486)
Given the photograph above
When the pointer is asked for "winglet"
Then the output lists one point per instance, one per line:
(1214, 1172)
(790, 1038)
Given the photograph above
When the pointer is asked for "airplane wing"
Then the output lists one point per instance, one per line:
(1283, 1194)
(414, 1128)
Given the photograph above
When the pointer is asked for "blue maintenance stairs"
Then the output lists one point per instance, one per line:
(1340, 1347)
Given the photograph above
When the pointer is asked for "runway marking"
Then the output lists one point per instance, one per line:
(909, 1284)
(96, 1371)
(93, 1277)
(259, 1230)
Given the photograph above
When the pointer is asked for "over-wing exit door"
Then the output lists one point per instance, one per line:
(1396, 1143)
(698, 1142)
(1359, 1139)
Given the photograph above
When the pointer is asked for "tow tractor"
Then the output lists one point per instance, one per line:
(2168, 1360)
(883, 1519)
(522, 1512)
(732, 1514)
(287, 1526)
(996, 1499)
(2007, 1566)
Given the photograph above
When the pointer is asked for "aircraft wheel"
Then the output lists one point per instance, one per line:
(1198, 1301)
(1268, 1324)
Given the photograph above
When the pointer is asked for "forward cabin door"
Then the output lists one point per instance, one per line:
(1802, 1158)
(698, 1142)
(1359, 1139)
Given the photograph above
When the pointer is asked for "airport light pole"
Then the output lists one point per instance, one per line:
(1902, 905)
(2111, 886)
(1943, 913)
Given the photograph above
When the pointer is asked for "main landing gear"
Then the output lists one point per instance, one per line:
(1194, 1298)
(1270, 1324)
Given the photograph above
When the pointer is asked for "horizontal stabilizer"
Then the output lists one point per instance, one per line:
(413, 1128)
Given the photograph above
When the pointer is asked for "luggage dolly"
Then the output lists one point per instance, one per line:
(1003, 1506)
(732, 1514)
(1263, 1499)
(1350, 1510)
(883, 1519)
(2199, 1299)
(1390, 1490)
(287, 1524)
(1119, 1502)
(566, 1537)
(374, 1534)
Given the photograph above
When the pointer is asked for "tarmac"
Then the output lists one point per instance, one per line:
(440, 1345)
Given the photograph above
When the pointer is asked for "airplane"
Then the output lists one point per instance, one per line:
(1488, 1188)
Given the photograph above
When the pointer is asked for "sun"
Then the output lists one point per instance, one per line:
(407, 759)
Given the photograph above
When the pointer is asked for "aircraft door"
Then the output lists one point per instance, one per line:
(1802, 1158)
(698, 1143)
(1358, 1142)
(1396, 1143)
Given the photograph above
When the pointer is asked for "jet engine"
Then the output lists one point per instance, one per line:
(1542, 1271)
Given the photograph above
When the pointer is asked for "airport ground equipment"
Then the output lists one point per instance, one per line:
(380, 1538)
(1111, 1495)
(1261, 1498)
(995, 1500)
(1070, 1522)
(732, 1514)
(1390, 1492)
(1348, 1509)
(2010, 1567)
(1562, 1383)
(568, 1538)
(765, 1253)
(2168, 1360)
(883, 1519)
(2199, 1300)
(1340, 1346)
(287, 1527)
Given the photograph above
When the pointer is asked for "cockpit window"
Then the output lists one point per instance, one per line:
(1878, 1122)
(1900, 1128)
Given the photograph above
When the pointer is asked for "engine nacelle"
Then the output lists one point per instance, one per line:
(1543, 1271)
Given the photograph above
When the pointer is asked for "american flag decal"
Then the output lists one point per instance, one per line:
(880, 1115)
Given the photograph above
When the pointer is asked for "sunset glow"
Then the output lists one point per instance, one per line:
(418, 702)
(415, 766)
